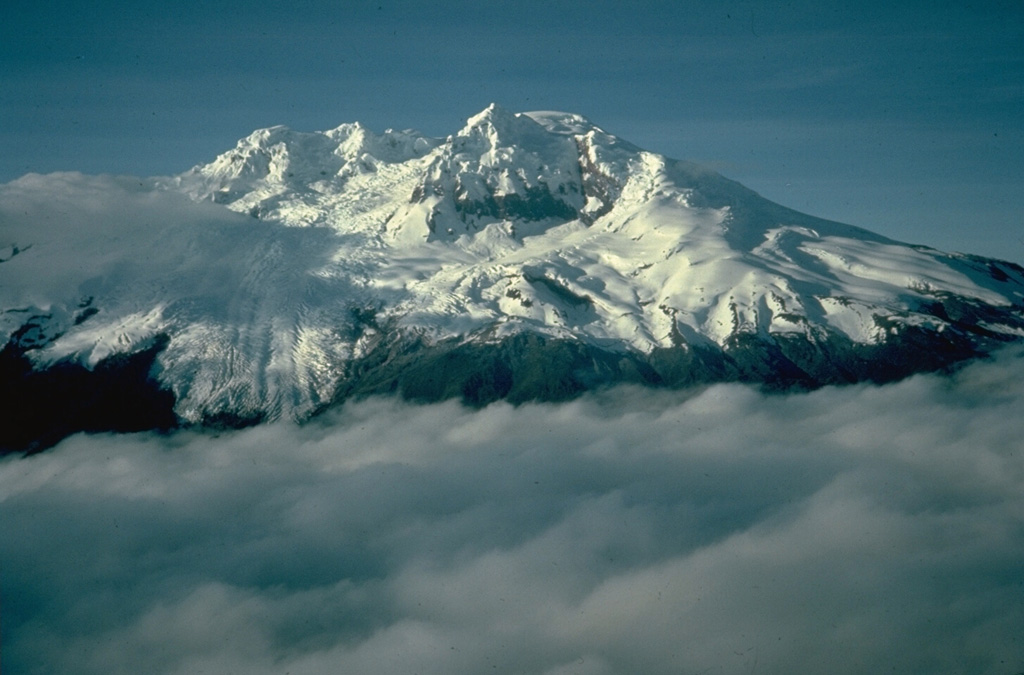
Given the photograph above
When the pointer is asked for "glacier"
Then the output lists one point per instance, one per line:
(527, 256)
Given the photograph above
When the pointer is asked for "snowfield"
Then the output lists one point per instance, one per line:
(278, 267)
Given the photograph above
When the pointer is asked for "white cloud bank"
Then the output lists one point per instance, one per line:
(850, 530)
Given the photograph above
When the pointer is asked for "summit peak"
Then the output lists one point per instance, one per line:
(500, 120)
(368, 261)
(492, 112)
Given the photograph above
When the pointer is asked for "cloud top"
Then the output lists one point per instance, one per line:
(847, 530)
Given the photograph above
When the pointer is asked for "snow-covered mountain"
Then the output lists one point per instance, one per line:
(528, 255)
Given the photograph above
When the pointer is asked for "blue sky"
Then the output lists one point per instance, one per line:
(906, 118)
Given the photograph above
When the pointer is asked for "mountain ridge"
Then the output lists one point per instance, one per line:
(302, 268)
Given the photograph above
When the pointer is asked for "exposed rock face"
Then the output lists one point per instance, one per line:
(120, 393)
(528, 256)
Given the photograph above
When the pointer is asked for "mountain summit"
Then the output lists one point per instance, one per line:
(527, 256)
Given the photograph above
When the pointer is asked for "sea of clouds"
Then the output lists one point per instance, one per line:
(850, 530)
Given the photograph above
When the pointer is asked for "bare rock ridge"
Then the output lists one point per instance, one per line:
(528, 256)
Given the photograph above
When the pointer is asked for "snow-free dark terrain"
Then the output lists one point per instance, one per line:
(528, 256)
(756, 523)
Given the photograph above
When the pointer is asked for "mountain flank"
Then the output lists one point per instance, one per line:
(527, 256)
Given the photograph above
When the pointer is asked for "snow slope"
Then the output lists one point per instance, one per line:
(280, 267)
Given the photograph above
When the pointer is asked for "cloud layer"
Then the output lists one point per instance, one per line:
(848, 530)
(133, 247)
